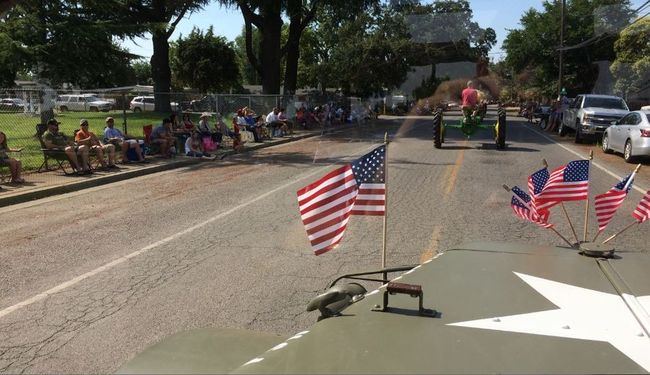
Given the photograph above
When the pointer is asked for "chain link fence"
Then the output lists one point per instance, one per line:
(21, 110)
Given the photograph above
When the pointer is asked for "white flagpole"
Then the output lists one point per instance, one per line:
(564, 210)
(627, 186)
(621, 231)
(591, 157)
(383, 253)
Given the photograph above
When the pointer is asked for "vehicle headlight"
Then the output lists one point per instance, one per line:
(585, 119)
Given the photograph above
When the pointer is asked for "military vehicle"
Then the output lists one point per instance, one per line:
(469, 125)
(477, 308)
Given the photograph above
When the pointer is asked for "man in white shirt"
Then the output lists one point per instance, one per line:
(273, 122)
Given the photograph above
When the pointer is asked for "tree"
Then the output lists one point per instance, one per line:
(52, 39)
(360, 53)
(142, 71)
(592, 26)
(266, 17)
(206, 62)
(299, 18)
(160, 18)
(631, 69)
(445, 32)
(248, 73)
(365, 52)
(268, 20)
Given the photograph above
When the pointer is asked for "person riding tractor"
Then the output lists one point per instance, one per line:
(470, 101)
(474, 107)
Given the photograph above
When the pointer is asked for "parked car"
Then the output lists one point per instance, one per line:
(589, 115)
(629, 136)
(12, 105)
(147, 104)
(82, 102)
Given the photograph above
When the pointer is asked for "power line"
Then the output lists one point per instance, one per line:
(639, 19)
(597, 38)
(642, 6)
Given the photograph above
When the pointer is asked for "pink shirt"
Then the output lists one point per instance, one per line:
(470, 97)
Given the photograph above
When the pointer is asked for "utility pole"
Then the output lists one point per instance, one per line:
(561, 68)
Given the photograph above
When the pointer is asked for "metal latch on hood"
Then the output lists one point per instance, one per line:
(412, 290)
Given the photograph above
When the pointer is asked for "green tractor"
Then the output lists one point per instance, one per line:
(469, 124)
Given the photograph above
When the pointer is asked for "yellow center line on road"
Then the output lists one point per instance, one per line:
(444, 177)
(451, 182)
(432, 248)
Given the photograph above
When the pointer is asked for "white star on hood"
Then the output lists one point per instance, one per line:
(577, 318)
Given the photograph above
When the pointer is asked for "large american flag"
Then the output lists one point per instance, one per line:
(606, 204)
(357, 188)
(536, 183)
(566, 183)
(520, 204)
(642, 211)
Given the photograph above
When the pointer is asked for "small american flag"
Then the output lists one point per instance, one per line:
(536, 182)
(642, 211)
(358, 188)
(520, 204)
(566, 183)
(606, 204)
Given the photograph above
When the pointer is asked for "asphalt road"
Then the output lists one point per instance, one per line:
(89, 279)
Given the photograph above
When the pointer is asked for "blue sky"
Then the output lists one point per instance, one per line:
(501, 15)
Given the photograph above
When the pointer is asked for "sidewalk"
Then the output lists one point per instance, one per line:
(42, 185)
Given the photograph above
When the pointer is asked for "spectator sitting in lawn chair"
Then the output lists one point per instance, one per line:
(57, 141)
(222, 128)
(162, 140)
(247, 132)
(194, 147)
(121, 142)
(204, 128)
(252, 124)
(301, 117)
(87, 138)
(237, 142)
(14, 165)
(187, 122)
(288, 125)
(274, 123)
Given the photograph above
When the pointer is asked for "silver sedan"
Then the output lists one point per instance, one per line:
(630, 136)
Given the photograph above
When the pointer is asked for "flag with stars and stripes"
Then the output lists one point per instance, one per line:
(606, 204)
(536, 183)
(357, 188)
(566, 183)
(520, 204)
(642, 211)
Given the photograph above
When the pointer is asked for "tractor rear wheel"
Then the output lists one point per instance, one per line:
(500, 130)
(438, 131)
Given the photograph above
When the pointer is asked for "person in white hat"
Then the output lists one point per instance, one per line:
(204, 124)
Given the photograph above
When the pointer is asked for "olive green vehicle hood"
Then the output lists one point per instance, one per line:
(501, 308)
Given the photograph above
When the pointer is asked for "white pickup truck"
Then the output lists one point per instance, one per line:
(82, 102)
(589, 115)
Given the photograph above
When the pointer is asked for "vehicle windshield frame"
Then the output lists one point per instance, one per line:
(599, 102)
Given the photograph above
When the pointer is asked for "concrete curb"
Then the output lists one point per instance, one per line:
(108, 179)
(92, 182)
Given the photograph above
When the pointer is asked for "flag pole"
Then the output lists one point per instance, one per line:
(566, 214)
(528, 206)
(591, 157)
(627, 186)
(383, 253)
(621, 231)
